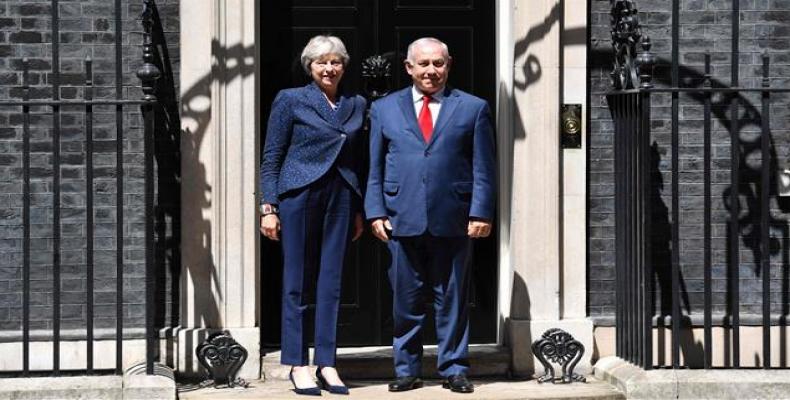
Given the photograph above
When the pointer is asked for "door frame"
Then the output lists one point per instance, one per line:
(503, 113)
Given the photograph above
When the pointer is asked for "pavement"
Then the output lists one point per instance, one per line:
(717, 383)
(485, 389)
(133, 385)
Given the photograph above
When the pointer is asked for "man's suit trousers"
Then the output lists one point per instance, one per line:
(436, 267)
(316, 226)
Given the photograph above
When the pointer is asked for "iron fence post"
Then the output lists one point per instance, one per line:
(149, 74)
(646, 62)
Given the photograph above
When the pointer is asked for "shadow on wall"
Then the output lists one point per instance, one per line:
(531, 73)
(228, 64)
(167, 209)
(749, 190)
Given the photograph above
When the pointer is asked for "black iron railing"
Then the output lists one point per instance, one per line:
(635, 193)
(630, 108)
(632, 226)
(148, 74)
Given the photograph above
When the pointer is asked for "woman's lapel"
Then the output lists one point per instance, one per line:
(335, 118)
(345, 109)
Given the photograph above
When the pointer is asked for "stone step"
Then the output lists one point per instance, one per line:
(376, 362)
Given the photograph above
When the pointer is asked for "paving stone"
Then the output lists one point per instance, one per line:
(484, 390)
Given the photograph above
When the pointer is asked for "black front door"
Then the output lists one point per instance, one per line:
(378, 27)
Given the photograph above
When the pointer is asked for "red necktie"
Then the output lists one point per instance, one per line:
(426, 120)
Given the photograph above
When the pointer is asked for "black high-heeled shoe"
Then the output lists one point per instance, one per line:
(334, 389)
(311, 391)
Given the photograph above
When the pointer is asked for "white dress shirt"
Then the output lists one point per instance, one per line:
(435, 105)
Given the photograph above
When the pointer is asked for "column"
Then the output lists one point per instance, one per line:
(219, 143)
(547, 220)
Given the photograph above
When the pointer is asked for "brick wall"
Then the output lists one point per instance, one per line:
(705, 27)
(87, 29)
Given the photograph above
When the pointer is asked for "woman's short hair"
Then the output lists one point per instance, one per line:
(320, 46)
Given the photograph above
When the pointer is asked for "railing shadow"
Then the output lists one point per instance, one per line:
(749, 224)
(203, 309)
(179, 150)
(167, 214)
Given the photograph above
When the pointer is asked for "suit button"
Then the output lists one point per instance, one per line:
(343, 135)
(427, 153)
(424, 180)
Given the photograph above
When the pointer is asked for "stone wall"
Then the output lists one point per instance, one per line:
(705, 26)
(87, 29)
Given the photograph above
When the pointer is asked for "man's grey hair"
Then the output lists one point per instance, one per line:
(320, 46)
(426, 40)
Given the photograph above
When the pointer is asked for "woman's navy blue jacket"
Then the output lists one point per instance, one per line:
(306, 137)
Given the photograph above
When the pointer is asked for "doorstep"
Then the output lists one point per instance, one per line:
(376, 362)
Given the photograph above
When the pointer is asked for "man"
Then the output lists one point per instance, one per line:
(430, 189)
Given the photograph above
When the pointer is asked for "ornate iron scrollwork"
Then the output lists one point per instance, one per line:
(646, 61)
(222, 357)
(626, 34)
(561, 348)
(376, 70)
(630, 71)
(148, 72)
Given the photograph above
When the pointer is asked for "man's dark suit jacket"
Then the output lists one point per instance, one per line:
(433, 187)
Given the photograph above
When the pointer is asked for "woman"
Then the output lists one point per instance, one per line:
(312, 198)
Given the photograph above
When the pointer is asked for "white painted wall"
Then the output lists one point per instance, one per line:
(219, 146)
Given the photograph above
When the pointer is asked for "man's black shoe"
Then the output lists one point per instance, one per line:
(458, 383)
(404, 383)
